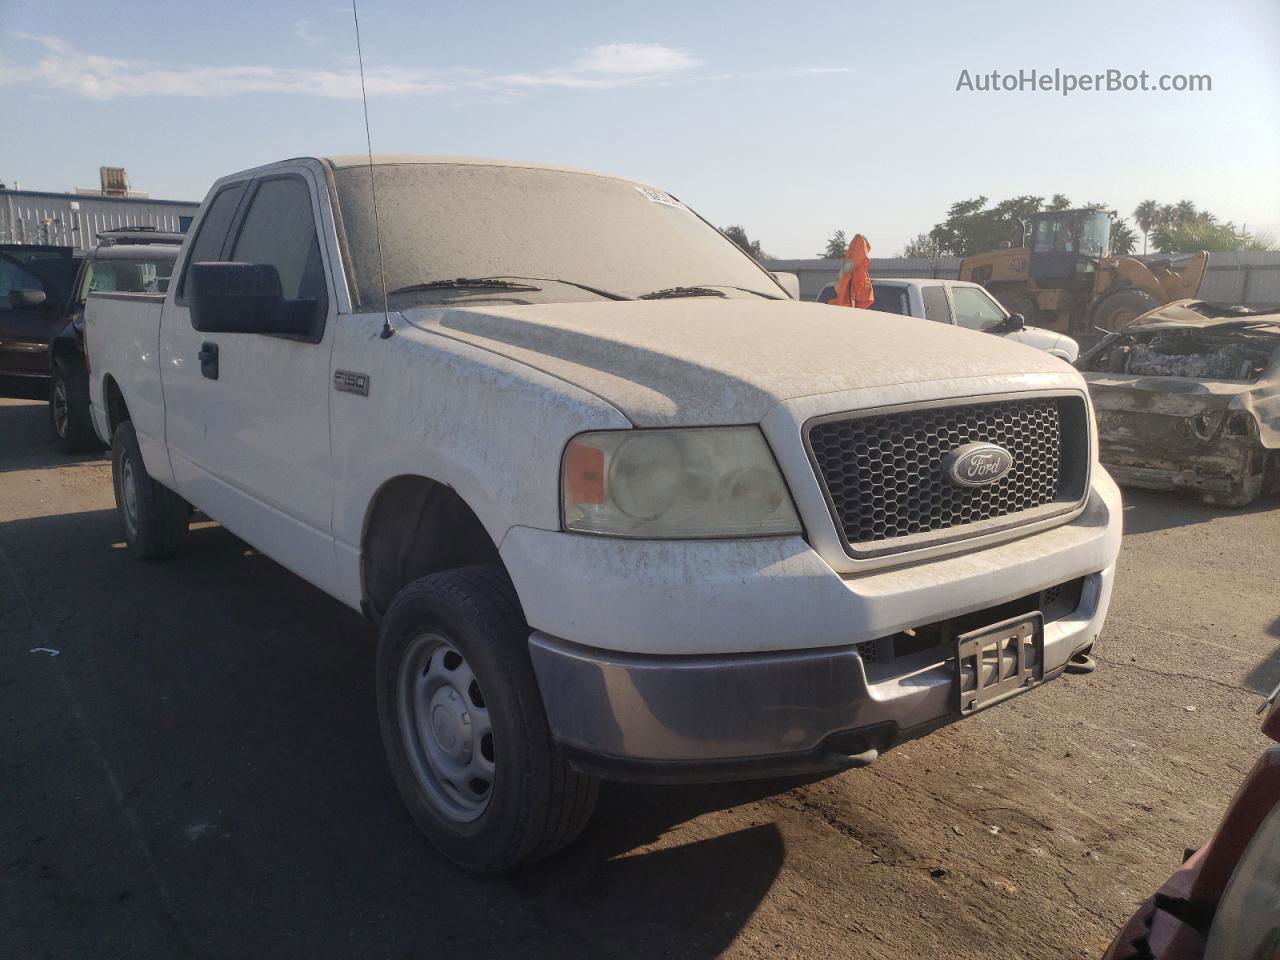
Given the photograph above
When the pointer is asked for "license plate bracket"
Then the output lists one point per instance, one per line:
(998, 662)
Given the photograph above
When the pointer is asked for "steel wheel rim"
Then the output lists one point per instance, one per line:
(446, 728)
(129, 496)
(61, 413)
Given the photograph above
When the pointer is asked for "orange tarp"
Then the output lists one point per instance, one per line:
(853, 287)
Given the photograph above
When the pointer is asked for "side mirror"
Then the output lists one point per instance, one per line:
(246, 298)
(790, 282)
(23, 299)
(1014, 322)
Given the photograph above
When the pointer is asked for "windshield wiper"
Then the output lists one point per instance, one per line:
(671, 292)
(460, 283)
(506, 282)
(703, 290)
(758, 293)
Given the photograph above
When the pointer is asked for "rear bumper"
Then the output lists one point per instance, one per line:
(721, 717)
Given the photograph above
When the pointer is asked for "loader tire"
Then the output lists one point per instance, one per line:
(1115, 310)
(1017, 302)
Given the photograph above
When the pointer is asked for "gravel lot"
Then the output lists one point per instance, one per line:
(198, 772)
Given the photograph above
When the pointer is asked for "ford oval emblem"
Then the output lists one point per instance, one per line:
(976, 464)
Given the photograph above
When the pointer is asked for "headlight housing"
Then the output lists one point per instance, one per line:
(688, 483)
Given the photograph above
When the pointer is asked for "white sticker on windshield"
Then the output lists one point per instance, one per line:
(655, 196)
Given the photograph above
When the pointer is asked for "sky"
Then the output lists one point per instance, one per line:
(793, 119)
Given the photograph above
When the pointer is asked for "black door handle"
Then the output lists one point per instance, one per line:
(208, 360)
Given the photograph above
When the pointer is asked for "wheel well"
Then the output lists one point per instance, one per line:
(64, 349)
(117, 410)
(415, 527)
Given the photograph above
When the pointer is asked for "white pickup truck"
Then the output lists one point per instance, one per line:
(620, 505)
(962, 304)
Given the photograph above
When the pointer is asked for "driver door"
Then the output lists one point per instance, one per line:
(249, 426)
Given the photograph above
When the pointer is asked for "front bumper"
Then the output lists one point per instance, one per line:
(683, 718)
(686, 660)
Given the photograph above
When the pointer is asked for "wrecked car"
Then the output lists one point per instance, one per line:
(1188, 397)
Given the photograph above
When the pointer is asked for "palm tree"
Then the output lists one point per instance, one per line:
(1146, 215)
(1184, 211)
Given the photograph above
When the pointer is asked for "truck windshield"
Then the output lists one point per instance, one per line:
(442, 221)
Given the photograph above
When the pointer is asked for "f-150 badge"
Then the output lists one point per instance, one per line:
(348, 381)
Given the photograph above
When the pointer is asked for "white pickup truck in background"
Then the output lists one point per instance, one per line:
(962, 304)
(620, 506)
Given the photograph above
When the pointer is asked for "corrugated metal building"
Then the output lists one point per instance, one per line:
(75, 219)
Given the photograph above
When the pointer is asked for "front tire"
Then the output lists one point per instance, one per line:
(1016, 301)
(464, 728)
(155, 519)
(69, 409)
(1118, 309)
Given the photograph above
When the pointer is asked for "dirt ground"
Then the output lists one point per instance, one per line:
(198, 773)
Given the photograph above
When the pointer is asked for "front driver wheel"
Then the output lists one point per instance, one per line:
(464, 727)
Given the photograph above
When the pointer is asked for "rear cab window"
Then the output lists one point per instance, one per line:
(891, 298)
(142, 275)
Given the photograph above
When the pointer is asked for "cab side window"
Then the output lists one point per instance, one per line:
(213, 230)
(976, 310)
(935, 304)
(280, 230)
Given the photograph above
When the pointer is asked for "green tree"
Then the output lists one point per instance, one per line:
(972, 227)
(1124, 240)
(837, 246)
(1189, 236)
(922, 247)
(1147, 216)
(738, 234)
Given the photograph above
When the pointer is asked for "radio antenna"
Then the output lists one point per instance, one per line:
(387, 329)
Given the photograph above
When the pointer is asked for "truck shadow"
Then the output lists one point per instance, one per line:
(207, 741)
(1148, 511)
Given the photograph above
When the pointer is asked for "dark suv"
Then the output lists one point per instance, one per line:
(42, 324)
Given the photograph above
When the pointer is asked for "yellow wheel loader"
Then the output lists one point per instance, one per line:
(1067, 280)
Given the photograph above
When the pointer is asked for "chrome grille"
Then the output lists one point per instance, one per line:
(883, 472)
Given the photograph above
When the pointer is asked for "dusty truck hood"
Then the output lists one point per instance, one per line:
(712, 361)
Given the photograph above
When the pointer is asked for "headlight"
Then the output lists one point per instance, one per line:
(686, 483)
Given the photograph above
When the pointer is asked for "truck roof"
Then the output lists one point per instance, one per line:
(351, 160)
(380, 159)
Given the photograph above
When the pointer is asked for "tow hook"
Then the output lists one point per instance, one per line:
(850, 761)
(1082, 661)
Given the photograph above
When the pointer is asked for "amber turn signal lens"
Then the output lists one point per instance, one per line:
(584, 473)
